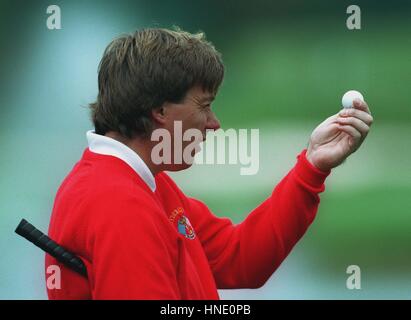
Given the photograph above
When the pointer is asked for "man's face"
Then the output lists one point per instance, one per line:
(194, 112)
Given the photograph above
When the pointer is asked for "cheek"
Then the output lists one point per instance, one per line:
(196, 120)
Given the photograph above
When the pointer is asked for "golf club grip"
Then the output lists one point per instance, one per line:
(39, 239)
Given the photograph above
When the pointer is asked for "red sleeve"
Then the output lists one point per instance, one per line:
(246, 255)
(131, 258)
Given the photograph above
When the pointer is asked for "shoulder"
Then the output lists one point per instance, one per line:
(121, 200)
(126, 214)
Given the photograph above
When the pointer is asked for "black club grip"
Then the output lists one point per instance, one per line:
(39, 239)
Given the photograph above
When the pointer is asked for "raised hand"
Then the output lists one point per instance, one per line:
(339, 136)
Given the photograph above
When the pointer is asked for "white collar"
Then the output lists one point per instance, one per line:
(111, 147)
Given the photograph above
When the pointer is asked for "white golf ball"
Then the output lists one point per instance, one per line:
(349, 97)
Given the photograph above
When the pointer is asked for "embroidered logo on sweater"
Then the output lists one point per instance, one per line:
(184, 226)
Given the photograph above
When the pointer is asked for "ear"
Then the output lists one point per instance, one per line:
(160, 114)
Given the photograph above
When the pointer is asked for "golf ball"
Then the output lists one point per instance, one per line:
(349, 97)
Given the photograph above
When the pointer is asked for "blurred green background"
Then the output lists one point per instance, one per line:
(288, 64)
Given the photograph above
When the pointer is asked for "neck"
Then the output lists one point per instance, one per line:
(140, 146)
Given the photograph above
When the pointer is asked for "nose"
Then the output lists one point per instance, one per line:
(212, 122)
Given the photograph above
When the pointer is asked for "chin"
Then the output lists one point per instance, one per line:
(178, 167)
(184, 165)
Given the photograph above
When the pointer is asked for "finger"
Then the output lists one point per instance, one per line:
(359, 114)
(351, 131)
(359, 125)
(361, 105)
(330, 119)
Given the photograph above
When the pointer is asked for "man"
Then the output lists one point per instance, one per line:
(139, 235)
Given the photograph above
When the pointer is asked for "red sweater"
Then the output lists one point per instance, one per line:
(137, 244)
